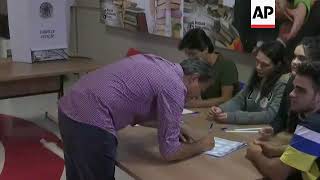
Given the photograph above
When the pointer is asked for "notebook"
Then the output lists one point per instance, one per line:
(224, 147)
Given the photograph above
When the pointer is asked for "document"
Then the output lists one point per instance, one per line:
(187, 111)
(224, 147)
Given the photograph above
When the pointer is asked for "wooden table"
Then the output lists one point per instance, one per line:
(138, 155)
(23, 79)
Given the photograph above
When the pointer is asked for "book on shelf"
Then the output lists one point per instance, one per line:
(175, 1)
(161, 2)
(134, 10)
(130, 22)
(175, 6)
(135, 18)
(226, 35)
(130, 27)
(130, 18)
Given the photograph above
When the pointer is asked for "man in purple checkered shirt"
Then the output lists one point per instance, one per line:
(141, 89)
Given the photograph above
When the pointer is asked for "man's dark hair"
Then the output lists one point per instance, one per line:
(196, 66)
(196, 39)
(311, 70)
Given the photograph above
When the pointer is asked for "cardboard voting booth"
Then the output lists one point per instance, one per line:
(38, 29)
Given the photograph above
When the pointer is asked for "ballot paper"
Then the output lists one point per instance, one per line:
(224, 147)
(186, 111)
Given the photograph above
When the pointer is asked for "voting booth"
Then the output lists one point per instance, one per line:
(38, 29)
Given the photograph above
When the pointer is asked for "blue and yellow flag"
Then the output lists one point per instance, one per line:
(304, 150)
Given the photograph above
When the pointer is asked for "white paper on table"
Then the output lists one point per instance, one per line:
(187, 111)
(224, 147)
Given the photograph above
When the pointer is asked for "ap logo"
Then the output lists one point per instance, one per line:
(262, 13)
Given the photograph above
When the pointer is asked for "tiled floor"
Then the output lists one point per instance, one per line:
(33, 109)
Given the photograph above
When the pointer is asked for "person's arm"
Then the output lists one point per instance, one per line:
(261, 117)
(237, 103)
(271, 168)
(270, 150)
(280, 121)
(188, 150)
(299, 16)
(151, 124)
(306, 3)
(170, 104)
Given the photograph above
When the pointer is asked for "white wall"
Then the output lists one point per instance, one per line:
(93, 39)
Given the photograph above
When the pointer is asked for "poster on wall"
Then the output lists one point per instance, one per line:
(215, 17)
(159, 17)
(49, 26)
(173, 18)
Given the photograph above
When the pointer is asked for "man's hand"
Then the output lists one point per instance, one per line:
(189, 134)
(266, 133)
(253, 150)
(185, 138)
(216, 114)
(186, 134)
(207, 142)
(298, 16)
(270, 150)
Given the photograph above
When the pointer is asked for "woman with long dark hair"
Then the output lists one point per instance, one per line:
(259, 102)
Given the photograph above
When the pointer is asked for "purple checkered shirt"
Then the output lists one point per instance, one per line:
(136, 89)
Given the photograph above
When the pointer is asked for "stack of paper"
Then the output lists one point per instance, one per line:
(224, 147)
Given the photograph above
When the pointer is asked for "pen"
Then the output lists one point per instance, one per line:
(211, 125)
(248, 129)
(239, 131)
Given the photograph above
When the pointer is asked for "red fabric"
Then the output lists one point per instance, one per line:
(132, 52)
(25, 156)
(238, 46)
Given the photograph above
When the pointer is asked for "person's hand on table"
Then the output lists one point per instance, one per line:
(265, 134)
(253, 150)
(269, 149)
(207, 142)
(216, 114)
(186, 134)
(189, 134)
(298, 16)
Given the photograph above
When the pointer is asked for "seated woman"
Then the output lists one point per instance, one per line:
(196, 44)
(259, 102)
